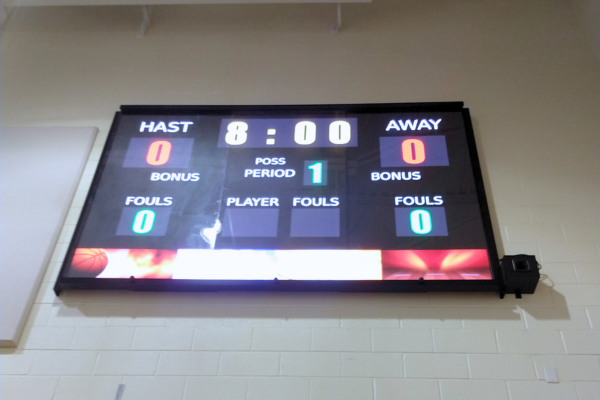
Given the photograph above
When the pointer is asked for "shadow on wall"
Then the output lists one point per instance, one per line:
(315, 306)
(306, 310)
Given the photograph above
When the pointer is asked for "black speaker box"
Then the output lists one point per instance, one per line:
(520, 274)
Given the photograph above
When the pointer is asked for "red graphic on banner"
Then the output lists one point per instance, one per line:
(153, 264)
(436, 264)
(123, 263)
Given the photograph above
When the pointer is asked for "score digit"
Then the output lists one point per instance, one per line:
(237, 133)
(339, 132)
(413, 151)
(317, 172)
(159, 152)
(305, 133)
(420, 222)
(143, 222)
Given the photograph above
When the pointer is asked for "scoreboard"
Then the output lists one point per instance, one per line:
(379, 197)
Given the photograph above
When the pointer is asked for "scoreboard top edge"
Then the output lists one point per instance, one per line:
(207, 109)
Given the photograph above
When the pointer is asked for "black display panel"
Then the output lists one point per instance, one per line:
(382, 197)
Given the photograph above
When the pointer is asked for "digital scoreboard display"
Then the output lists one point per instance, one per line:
(382, 197)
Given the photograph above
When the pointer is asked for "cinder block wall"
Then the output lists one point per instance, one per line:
(524, 69)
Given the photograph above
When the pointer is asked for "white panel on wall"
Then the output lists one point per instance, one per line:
(40, 169)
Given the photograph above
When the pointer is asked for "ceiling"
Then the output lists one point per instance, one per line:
(161, 2)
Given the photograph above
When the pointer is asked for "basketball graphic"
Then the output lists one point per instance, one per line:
(88, 263)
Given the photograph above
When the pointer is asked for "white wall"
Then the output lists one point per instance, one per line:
(531, 82)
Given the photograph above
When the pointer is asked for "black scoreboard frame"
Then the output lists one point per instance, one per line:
(190, 285)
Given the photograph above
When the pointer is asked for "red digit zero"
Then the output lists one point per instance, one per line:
(413, 151)
(159, 152)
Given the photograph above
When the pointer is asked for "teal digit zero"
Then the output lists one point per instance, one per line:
(143, 221)
(420, 222)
